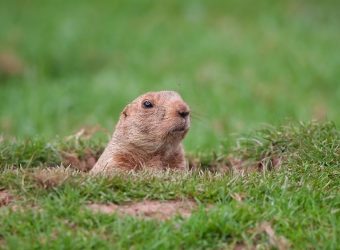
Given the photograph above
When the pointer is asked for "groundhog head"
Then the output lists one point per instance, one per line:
(154, 121)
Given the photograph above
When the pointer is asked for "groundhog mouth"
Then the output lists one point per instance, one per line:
(180, 129)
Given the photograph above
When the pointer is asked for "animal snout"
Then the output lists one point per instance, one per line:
(183, 111)
(183, 114)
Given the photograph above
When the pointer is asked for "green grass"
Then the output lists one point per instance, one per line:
(307, 219)
(300, 200)
(240, 65)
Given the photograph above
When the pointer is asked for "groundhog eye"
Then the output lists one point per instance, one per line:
(147, 104)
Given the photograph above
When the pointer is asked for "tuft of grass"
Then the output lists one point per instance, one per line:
(50, 178)
(28, 153)
(294, 144)
(38, 151)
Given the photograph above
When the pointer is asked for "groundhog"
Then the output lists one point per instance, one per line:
(148, 134)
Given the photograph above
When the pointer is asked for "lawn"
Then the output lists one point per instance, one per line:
(255, 75)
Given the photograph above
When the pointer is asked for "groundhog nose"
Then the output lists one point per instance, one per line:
(183, 113)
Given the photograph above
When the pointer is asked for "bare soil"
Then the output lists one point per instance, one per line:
(159, 210)
(5, 198)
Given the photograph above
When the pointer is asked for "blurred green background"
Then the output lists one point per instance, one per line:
(239, 64)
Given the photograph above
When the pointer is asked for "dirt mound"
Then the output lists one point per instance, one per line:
(83, 162)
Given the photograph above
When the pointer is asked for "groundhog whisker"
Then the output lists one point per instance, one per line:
(194, 112)
(193, 117)
(197, 114)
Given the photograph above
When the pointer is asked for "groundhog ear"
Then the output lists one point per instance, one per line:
(126, 112)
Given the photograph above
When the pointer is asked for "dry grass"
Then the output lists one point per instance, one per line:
(51, 177)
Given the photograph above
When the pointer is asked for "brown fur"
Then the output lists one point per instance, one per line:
(148, 137)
